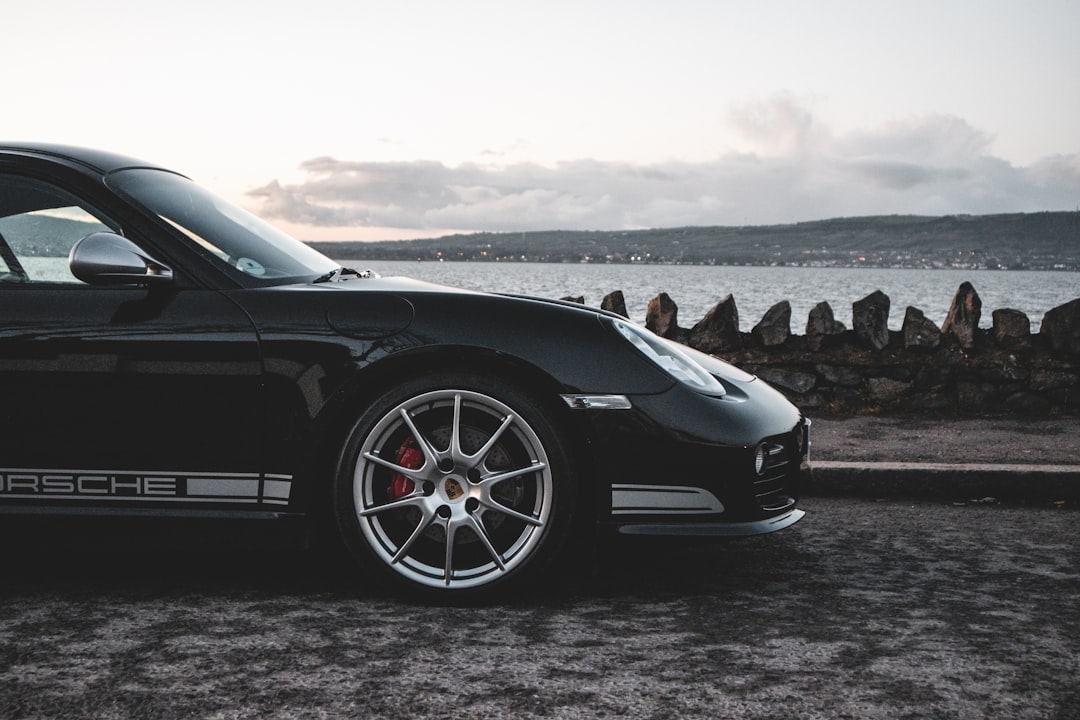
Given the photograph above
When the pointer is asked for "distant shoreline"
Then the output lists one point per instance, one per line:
(327, 249)
(1019, 241)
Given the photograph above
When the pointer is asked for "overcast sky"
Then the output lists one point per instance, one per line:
(381, 120)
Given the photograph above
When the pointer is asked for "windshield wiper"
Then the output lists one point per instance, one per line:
(339, 273)
(330, 276)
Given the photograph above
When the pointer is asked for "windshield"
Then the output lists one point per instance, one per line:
(235, 238)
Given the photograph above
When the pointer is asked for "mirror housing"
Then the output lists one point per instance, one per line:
(105, 258)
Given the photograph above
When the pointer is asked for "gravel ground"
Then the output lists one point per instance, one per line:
(863, 610)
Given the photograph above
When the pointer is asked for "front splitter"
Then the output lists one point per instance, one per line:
(744, 529)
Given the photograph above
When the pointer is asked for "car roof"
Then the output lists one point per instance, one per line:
(99, 160)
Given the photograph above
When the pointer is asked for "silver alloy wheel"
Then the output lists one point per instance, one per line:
(453, 489)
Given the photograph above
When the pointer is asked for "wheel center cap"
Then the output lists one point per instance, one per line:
(453, 489)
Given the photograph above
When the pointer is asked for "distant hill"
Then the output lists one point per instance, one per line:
(1032, 241)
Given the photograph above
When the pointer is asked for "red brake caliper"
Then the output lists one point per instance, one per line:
(408, 456)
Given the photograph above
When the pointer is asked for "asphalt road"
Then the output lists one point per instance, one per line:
(863, 610)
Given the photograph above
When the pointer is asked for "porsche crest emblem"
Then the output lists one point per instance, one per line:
(454, 489)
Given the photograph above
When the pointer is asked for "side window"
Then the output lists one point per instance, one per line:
(39, 223)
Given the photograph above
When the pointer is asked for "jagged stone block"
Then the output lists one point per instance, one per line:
(1061, 326)
(775, 327)
(870, 319)
(718, 331)
(820, 325)
(962, 322)
(1010, 326)
(662, 316)
(919, 330)
(615, 302)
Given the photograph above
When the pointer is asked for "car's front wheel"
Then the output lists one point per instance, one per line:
(456, 485)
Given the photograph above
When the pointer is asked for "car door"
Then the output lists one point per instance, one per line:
(117, 396)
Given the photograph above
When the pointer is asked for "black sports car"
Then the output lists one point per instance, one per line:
(166, 354)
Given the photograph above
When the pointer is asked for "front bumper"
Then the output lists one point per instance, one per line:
(684, 465)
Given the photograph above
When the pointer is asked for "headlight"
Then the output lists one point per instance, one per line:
(671, 359)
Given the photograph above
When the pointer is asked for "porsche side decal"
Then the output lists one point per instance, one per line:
(151, 486)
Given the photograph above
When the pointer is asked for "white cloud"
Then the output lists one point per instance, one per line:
(776, 127)
(798, 170)
(1059, 170)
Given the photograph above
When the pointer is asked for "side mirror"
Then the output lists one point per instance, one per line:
(105, 258)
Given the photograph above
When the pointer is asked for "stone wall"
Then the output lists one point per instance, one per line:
(958, 368)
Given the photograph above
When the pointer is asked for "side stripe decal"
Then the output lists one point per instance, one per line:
(145, 486)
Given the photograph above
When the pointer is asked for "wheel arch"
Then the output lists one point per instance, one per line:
(338, 416)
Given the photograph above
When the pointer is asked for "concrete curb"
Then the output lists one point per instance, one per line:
(1038, 483)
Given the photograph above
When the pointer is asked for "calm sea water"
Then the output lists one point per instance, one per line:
(695, 289)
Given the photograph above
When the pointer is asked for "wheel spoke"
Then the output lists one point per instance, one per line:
(482, 452)
(481, 532)
(494, 506)
(497, 478)
(424, 524)
(415, 500)
(413, 473)
(431, 455)
(448, 566)
(455, 432)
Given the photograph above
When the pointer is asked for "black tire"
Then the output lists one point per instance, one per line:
(457, 456)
